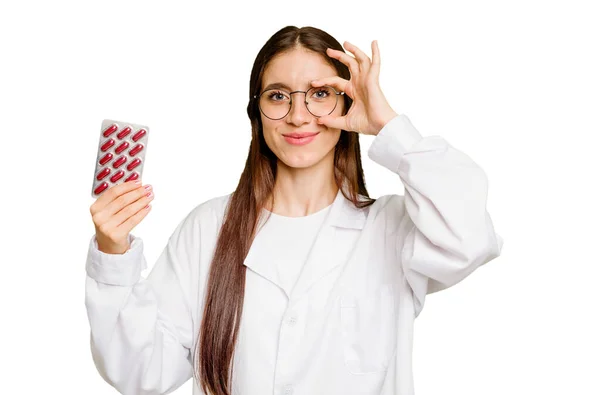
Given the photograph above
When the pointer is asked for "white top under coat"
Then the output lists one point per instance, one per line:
(346, 327)
(288, 240)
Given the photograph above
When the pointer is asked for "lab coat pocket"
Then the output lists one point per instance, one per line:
(367, 329)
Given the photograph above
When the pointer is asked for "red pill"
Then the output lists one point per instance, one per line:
(141, 133)
(117, 176)
(124, 132)
(123, 146)
(134, 163)
(110, 130)
(103, 173)
(133, 176)
(107, 144)
(100, 188)
(136, 149)
(119, 162)
(106, 158)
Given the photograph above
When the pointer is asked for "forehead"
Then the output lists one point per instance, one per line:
(296, 68)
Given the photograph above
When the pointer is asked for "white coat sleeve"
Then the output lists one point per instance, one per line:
(448, 232)
(141, 329)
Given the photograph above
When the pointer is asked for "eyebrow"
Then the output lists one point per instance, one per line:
(280, 85)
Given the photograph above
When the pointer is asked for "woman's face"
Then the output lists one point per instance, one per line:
(296, 69)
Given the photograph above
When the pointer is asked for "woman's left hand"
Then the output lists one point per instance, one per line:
(370, 110)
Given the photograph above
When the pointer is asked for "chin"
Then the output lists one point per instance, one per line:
(304, 161)
(300, 163)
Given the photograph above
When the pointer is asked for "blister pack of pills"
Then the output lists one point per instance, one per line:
(121, 154)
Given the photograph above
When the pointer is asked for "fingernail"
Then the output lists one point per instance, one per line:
(138, 181)
(148, 187)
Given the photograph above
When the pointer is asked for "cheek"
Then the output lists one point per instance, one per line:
(331, 138)
(269, 133)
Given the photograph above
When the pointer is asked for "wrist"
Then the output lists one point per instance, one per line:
(384, 119)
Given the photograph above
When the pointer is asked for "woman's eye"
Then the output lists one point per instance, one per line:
(277, 96)
(321, 94)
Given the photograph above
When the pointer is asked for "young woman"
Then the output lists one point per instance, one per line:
(297, 282)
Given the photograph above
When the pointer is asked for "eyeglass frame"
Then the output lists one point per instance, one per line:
(337, 95)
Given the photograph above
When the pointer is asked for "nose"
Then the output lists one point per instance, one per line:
(299, 112)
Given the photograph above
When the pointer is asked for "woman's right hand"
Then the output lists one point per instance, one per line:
(118, 210)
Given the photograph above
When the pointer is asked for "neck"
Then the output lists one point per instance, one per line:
(303, 191)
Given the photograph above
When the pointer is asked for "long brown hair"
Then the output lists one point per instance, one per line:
(227, 277)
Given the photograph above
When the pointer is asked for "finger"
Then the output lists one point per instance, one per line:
(363, 60)
(125, 201)
(107, 215)
(345, 59)
(127, 226)
(339, 83)
(130, 210)
(375, 66)
(139, 212)
(334, 122)
(113, 193)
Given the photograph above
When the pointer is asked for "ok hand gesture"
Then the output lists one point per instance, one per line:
(370, 110)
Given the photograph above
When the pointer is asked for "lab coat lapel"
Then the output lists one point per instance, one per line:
(331, 244)
(328, 251)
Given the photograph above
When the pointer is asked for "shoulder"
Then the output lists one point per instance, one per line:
(203, 221)
(388, 203)
(211, 210)
(390, 209)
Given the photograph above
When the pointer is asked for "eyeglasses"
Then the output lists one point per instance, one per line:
(277, 103)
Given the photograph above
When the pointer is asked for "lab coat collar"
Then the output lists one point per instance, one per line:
(345, 214)
(327, 250)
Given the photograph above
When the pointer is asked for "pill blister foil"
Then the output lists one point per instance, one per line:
(121, 154)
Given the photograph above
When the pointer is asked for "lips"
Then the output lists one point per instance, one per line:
(300, 135)
(300, 140)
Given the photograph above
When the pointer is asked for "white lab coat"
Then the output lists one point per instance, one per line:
(347, 327)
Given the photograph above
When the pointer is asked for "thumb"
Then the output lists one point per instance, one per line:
(334, 122)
